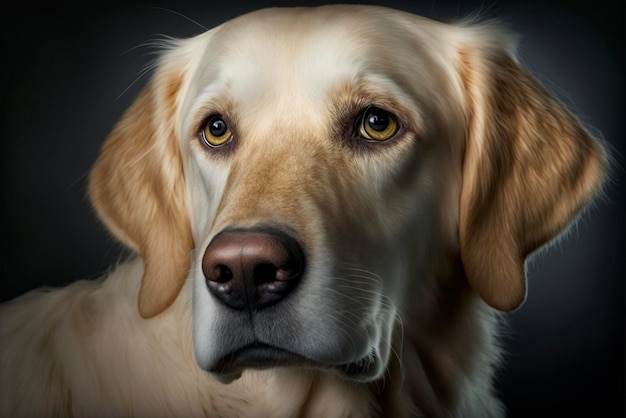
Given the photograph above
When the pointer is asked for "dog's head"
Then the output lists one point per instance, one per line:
(321, 174)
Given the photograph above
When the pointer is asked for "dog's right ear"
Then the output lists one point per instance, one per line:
(137, 187)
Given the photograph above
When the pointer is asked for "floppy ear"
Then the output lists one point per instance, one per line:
(138, 189)
(529, 168)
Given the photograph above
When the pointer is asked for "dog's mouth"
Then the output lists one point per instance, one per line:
(262, 356)
(360, 368)
(254, 356)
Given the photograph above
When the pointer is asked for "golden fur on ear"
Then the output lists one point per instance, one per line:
(529, 168)
(137, 187)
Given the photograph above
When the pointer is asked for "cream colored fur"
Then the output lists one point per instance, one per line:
(413, 244)
(85, 351)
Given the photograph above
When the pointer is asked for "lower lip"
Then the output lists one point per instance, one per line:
(261, 356)
(361, 367)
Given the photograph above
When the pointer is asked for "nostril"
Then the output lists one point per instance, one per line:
(218, 273)
(265, 273)
(223, 274)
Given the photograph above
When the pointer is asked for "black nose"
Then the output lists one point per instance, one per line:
(252, 268)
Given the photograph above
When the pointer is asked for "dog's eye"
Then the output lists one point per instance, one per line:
(377, 125)
(216, 132)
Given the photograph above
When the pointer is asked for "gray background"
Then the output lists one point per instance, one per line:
(65, 80)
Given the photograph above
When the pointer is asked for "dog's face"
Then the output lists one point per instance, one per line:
(320, 175)
(332, 144)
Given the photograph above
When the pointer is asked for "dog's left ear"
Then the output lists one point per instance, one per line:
(137, 187)
(529, 169)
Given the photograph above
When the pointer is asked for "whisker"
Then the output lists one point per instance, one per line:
(155, 47)
(348, 283)
(147, 68)
(400, 324)
(159, 43)
(382, 298)
(195, 22)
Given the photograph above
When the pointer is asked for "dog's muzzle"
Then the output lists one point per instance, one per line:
(254, 274)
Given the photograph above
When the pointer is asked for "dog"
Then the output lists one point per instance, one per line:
(330, 208)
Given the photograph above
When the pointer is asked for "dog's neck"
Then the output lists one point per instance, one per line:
(448, 353)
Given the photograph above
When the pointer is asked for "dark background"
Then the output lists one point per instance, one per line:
(68, 72)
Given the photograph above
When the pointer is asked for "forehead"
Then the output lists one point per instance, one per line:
(294, 58)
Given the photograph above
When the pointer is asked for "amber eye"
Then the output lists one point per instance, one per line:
(377, 125)
(216, 132)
